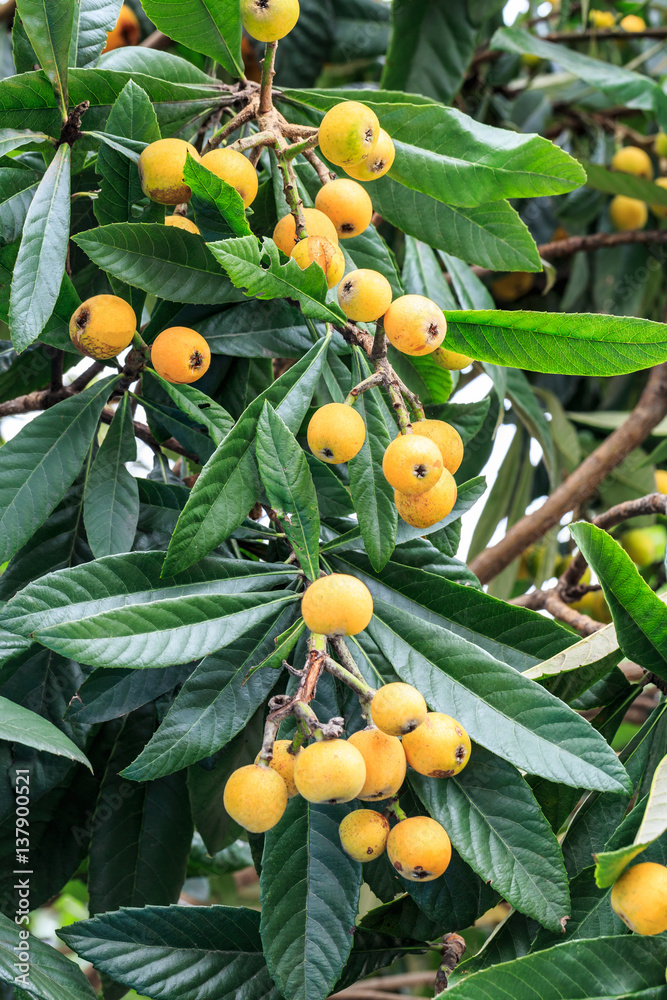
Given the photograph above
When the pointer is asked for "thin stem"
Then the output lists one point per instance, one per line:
(393, 809)
(359, 686)
(266, 85)
(291, 191)
(300, 147)
(245, 115)
(325, 175)
(258, 139)
(368, 383)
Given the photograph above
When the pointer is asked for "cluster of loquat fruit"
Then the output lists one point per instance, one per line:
(604, 19)
(631, 213)
(370, 765)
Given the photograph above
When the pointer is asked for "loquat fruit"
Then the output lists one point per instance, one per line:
(512, 286)
(627, 213)
(363, 834)
(639, 898)
(348, 206)
(446, 437)
(317, 224)
(180, 355)
(450, 360)
(180, 222)
(126, 32)
(377, 163)
(424, 509)
(348, 133)
(660, 210)
(365, 295)
(102, 326)
(661, 480)
(385, 763)
(439, 748)
(283, 762)
(415, 325)
(412, 463)
(594, 605)
(269, 20)
(602, 18)
(336, 433)
(255, 797)
(398, 708)
(337, 604)
(329, 771)
(161, 171)
(660, 144)
(632, 23)
(645, 546)
(419, 849)
(321, 251)
(633, 160)
(234, 168)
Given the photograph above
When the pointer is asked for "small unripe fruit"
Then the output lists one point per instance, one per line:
(378, 162)
(446, 437)
(364, 296)
(661, 480)
(419, 849)
(415, 325)
(398, 708)
(317, 224)
(627, 213)
(363, 834)
(269, 20)
(126, 32)
(180, 222)
(645, 546)
(412, 463)
(512, 286)
(632, 23)
(283, 762)
(439, 748)
(450, 360)
(385, 763)
(633, 160)
(660, 144)
(639, 897)
(161, 171)
(234, 168)
(329, 771)
(348, 133)
(336, 433)
(348, 206)
(103, 326)
(337, 604)
(255, 797)
(425, 509)
(602, 18)
(660, 210)
(321, 251)
(180, 355)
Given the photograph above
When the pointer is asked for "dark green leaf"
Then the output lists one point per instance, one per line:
(40, 264)
(49, 974)
(218, 206)
(108, 693)
(199, 407)
(289, 487)
(92, 20)
(19, 725)
(111, 503)
(11, 138)
(17, 189)
(256, 329)
(209, 26)
(49, 28)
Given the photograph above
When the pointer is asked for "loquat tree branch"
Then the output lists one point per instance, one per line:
(581, 483)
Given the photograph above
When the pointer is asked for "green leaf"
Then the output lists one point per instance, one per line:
(229, 484)
(218, 206)
(422, 274)
(372, 495)
(164, 261)
(49, 28)
(19, 725)
(617, 82)
(92, 20)
(17, 189)
(40, 265)
(133, 116)
(616, 182)
(571, 672)
(640, 617)
(110, 694)
(186, 950)
(214, 704)
(198, 406)
(38, 466)
(497, 826)
(141, 834)
(50, 974)
(212, 27)
(111, 503)
(242, 260)
(310, 893)
(532, 416)
(255, 329)
(508, 714)
(158, 636)
(289, 487)
(467, 496)
(471, 292)
(11, 138)
(561, 343)
(606, 968)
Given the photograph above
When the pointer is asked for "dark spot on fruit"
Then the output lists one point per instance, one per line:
(83, 318)
(460, 753)
(327, 452)
(331, 802)
(262, 4)
(347, 227)
(369, 135)
(432, 331)
(378, 166)
(348, 286)
(369, 850)
(410, 727)
(420, 471)
(398, 866)
(440, 774)
(196, 360)
(420, 872)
